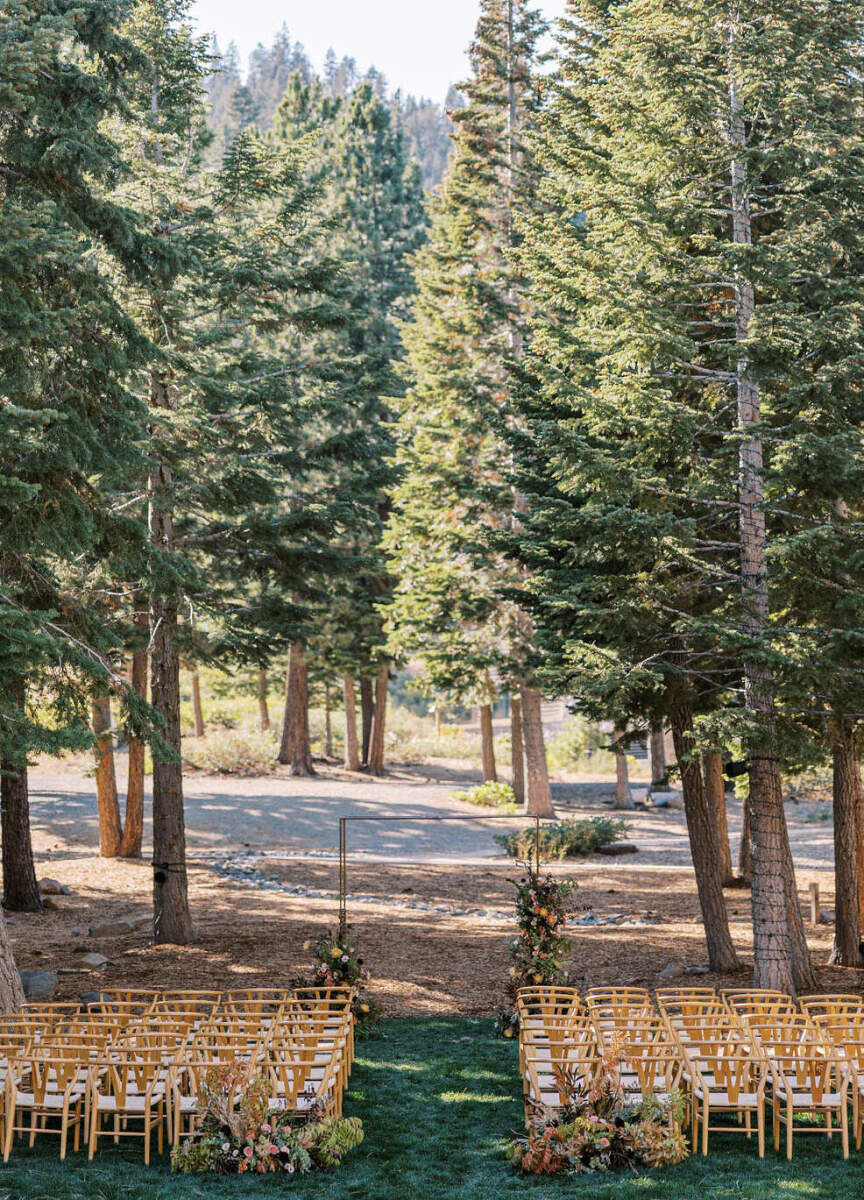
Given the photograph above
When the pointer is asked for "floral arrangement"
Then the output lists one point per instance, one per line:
(492, 794)
(539, 953)
(338, 964)
(602, 1132)
(238, 1134)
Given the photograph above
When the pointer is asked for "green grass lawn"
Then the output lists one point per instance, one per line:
(436, 1098)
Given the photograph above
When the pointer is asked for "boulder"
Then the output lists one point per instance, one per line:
(672, 970)
(111, 929)
(38, 985)
(614, 849)
(97, 961)
(695, 970)
(51, 887)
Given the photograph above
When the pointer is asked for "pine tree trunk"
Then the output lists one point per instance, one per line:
(328, 724)
(745, 851)
(777, 953)
(623, 795)
(438, 721)
(715, 790)
(846, 788)
(487, 743)
(657, 744)
(376, 740)
(517, 756)
(133, 825)
(367, 712)
(11, 991)
(859, 812)
(107, 805)
(263, 710)
(702, 832)
(20, 889)
(352, 749)
(538, 801)
(197, 711)
(296, 750)
(172, 922)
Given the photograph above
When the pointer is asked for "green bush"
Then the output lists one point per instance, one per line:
(489, 795)
(233, 752)
(564, 839)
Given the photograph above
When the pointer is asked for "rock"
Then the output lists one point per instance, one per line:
(676, 802)
(672, 970)
(696, 970)
(143, 922)
(111, 929)
(51, 905)
(97, 961)
(88, 998)
(826, 916)
(38, 985)
(69, 970)
(615, 848)
(51, 887)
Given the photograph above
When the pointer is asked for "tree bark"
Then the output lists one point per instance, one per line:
(846, 787)
(538, 801)
(296, 750)
(712, 771)
(133, 825)
(367, 712)
(328, 724)
(859, 811)
(11, 991)
(623, 795)
(107, 806)
(702, 832)
(352, 749)
(657, 745)
(263, 710)
(20, 889)
(172, 922)
(197, 711)
(487, 743)
(376, 740)
(745, 851)
(517, 755)
(777, 952)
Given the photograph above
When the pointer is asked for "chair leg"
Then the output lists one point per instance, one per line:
(775, 1113)
(8, 1132)
(844, 1130)
(706, 1114)
(95, 1118)
(789, 1131)
(747, 1127)
(32, 1128)
(829, 1124)
(760, 1121)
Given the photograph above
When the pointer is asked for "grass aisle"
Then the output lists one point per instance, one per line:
(436, 1098)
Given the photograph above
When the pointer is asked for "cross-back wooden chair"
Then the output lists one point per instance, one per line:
(41, 1087)
(129, 1091)
(811, 1080)
(725, 1076)
(828, 1005)
(555, 1073)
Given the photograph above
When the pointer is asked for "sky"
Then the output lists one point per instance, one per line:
(418, 44)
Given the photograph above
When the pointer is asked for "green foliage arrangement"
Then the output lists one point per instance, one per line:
(492, 794)
(540, 950)
(240, 1135)
(602, 1132)
(564, 839)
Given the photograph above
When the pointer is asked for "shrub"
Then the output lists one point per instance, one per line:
(233, 752)
(489, 795)
(337, 964)
(564, 839)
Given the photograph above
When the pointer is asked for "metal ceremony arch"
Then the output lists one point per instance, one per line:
(343, 846)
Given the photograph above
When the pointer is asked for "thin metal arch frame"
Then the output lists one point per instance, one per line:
(343, 846)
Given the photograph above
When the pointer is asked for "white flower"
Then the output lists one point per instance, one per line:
(345, 958)
(289, 1167)
(226, 1146)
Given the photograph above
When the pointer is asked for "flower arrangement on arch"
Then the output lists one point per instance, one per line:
(539, 952)
(239, 1135)
(602, 1131)
(337, 963)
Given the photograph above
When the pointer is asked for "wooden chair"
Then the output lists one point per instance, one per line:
(556, 1072)
(39, 1088)
(725, 1076)
(811, 1080)
(127, 1090)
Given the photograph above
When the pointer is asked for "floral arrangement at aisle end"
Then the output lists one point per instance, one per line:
(238, 1134)
(602, 1131)
(337, 964)
(540, 951)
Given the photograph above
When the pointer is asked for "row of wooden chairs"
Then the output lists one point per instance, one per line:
(134, 1063)
(728, 1053)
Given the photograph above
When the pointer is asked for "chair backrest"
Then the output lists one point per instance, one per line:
(727, 1067)
(829, 1005)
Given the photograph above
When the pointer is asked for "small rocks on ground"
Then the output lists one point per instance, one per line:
(51, 887)
(111, 929)
(97, 961)
(672, 970)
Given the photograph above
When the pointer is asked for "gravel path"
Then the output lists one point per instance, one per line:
(284, 816)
